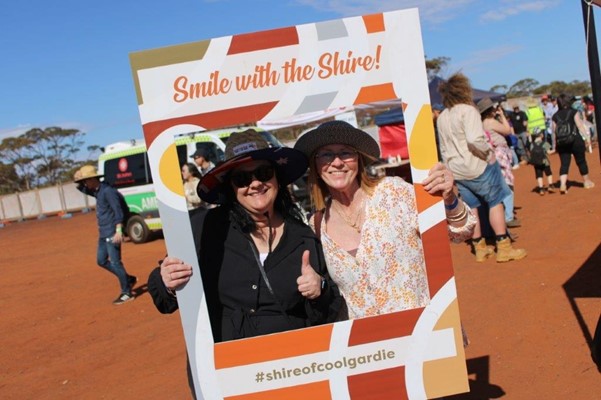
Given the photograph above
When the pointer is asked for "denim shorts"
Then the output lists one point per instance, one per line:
(488, 188)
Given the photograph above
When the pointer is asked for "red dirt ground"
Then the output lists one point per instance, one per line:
(529, 322)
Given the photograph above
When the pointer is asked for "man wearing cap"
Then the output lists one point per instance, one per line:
(110, 213)
(201, 159)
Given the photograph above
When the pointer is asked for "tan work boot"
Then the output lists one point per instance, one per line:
(482, 250)
(505, 252)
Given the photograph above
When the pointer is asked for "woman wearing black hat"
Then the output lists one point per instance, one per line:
(369, 227)
(262, 268)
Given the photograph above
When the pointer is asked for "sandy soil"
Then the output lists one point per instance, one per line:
(529, 322)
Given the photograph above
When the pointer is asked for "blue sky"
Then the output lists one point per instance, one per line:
(65, 62)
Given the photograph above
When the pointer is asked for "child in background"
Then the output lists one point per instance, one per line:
(539, 159)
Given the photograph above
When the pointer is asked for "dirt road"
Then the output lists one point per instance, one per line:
(529, 321)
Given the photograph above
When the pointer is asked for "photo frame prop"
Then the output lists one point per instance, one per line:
(276, 74)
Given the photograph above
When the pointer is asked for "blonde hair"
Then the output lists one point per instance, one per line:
(456, 90)
(319, 191)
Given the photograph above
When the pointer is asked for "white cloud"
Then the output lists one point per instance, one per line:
(14, 132)
(510, 8)
(433, 11)
(479, 58)
(21, 129)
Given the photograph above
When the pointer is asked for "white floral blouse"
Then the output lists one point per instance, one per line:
(388, 272)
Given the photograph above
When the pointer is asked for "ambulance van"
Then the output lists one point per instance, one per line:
(125, 167)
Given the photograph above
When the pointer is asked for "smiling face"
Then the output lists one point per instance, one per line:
(338, 166)
(259, 195)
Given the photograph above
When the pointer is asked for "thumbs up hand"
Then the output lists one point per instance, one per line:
(309, 283)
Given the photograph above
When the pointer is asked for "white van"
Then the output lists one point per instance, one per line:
(125, 167)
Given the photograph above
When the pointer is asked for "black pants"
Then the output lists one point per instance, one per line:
(577, 149)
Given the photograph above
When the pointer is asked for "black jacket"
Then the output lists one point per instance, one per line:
(239, 301)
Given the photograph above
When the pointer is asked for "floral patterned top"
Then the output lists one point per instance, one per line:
(388, 272)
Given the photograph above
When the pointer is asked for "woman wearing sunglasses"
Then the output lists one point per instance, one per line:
(262, 268)
(369, 227)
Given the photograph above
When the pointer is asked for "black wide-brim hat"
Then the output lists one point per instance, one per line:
(337, 132)
(243, 147)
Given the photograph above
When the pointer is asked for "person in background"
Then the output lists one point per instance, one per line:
(497, 128)
(369, 226)
(436, 110)
(477, 173)
(539, 159)
(579, 105)
(111, 212)
(191, 176)
(519, 122)
(577, 148)
(262, 268)
(536, 116)
(201, 159)
(549, 109)
(589, 116)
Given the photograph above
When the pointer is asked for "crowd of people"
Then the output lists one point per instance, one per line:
(530, 134)
(479, 150)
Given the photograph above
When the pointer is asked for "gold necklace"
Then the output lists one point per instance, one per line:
(349, 220)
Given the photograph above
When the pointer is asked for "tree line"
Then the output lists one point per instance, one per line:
(522, 88)
(40, 158)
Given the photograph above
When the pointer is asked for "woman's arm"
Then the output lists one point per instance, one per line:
(461, 221)
(474, 135)
(165, 302)
(325, 308)
(580, 125)
(502, 127)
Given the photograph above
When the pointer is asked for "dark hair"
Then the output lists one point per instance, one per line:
(283, 205)
(564, 101)
(193, 170)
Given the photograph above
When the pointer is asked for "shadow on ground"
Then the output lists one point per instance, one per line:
(586, 283)
(478, 370)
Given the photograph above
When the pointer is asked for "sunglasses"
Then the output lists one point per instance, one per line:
(242, 179)
(329, 156)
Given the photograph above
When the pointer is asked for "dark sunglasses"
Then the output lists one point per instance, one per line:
(329, 156)
(242, 179)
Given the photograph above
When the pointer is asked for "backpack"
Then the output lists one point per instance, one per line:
(564, 131)
(537, 154)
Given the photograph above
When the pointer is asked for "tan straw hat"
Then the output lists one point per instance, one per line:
(87, 172)
(485, 104)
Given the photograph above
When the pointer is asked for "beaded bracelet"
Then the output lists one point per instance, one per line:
(452, 205)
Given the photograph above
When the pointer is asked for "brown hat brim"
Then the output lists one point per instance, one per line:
(290, 164)
(337, 132)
